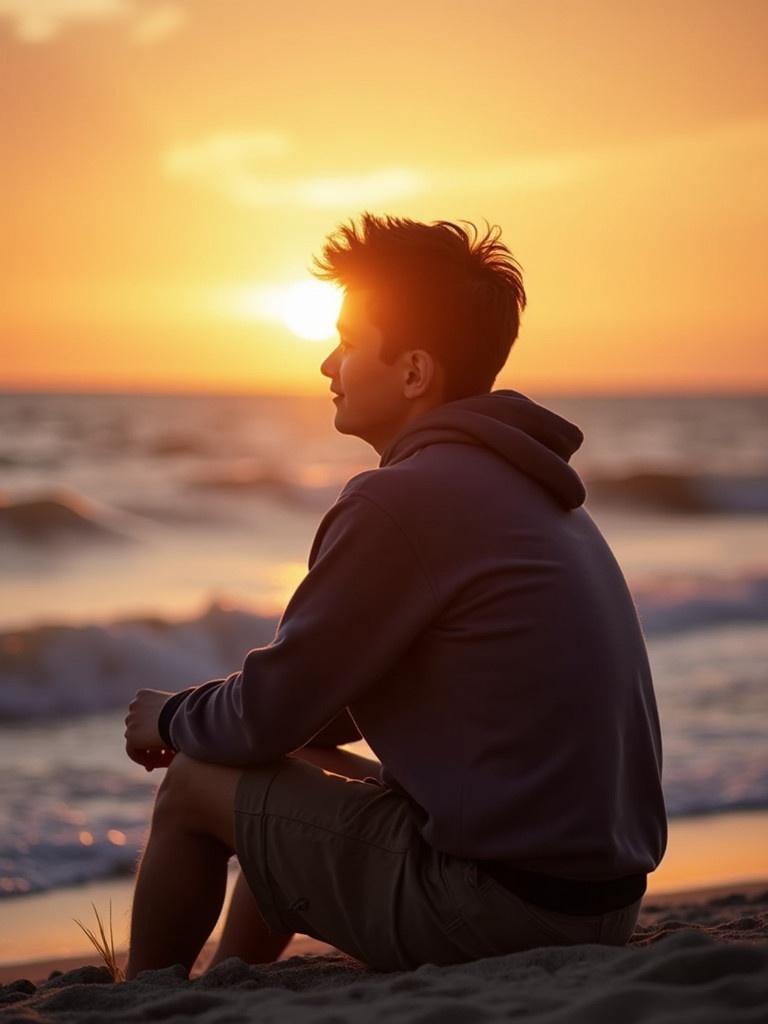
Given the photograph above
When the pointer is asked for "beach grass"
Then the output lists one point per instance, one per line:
(104, 947)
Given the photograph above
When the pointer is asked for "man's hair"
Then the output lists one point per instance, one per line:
(435, 288)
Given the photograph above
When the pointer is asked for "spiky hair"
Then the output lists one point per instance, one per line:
(435, 286)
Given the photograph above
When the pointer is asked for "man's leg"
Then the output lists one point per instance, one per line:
(181, 879)
(342, 762)
(182, 875)
(245, 934)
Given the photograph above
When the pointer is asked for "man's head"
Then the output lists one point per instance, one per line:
(429, 316)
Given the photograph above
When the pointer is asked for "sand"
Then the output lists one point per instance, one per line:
(700, 955)
(40, 927)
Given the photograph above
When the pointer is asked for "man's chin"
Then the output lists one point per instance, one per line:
(340, 423)
(345, 425)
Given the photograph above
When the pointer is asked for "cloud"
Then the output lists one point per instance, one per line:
(372, 187)
(249, 169)
(227, 154)
(39, 21)
(238, 167)
(157, 23)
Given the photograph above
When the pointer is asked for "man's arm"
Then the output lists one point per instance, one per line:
(339, 730)
(167, 710)
(363, 602)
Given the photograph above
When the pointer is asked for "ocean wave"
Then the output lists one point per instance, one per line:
(62, 516)
(172, 443)
(57, 865)
(315, 484)
(54, 670)
(271, 483)
(680, 493)
(62, 824)
(50, 670)
(678, 604)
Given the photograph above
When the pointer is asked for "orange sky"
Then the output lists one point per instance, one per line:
(158, 157)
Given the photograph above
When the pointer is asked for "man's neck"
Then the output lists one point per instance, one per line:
(416, 409)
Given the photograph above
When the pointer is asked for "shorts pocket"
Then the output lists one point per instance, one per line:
(442, 878)
(561, 929)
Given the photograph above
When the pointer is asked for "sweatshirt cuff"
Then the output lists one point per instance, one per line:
(166, 714)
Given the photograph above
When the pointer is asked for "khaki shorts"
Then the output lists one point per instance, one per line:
(343, 861)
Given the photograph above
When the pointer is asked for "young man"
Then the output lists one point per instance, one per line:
(462, 613)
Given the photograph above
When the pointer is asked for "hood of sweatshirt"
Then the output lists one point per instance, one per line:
(533, 439)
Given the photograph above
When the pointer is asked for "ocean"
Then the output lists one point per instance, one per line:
(152, 540)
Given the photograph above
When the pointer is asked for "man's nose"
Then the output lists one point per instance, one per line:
(326, 367)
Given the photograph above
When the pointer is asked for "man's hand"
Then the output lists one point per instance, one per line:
(143, 743)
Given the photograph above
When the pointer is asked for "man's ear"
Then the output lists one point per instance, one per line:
(420, 373)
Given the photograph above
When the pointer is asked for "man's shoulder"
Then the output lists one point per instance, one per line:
(375, 500)
(394, 488)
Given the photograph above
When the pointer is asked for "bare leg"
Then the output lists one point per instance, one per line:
(342, 762)
(245, 934)
(181, 879)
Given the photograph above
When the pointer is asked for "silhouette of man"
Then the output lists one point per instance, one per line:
(464, 615)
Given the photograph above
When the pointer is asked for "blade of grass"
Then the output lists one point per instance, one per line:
(106, 949)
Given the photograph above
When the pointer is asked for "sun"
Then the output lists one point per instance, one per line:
(309, 309)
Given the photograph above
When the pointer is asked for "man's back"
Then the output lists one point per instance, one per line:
(466, 610)
(522, 720)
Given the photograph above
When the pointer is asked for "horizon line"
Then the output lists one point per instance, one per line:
(588, 392)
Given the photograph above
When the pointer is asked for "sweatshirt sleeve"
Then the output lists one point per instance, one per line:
(363, 602)
(167, 710)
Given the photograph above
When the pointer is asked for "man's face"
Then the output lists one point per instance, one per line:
(371, 403)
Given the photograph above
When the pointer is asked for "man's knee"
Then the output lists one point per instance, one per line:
(177, 785)
(198, 797)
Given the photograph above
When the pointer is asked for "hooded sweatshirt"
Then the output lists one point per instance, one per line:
(463, 614)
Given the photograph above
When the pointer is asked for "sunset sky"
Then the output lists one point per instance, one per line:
(169, 168)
